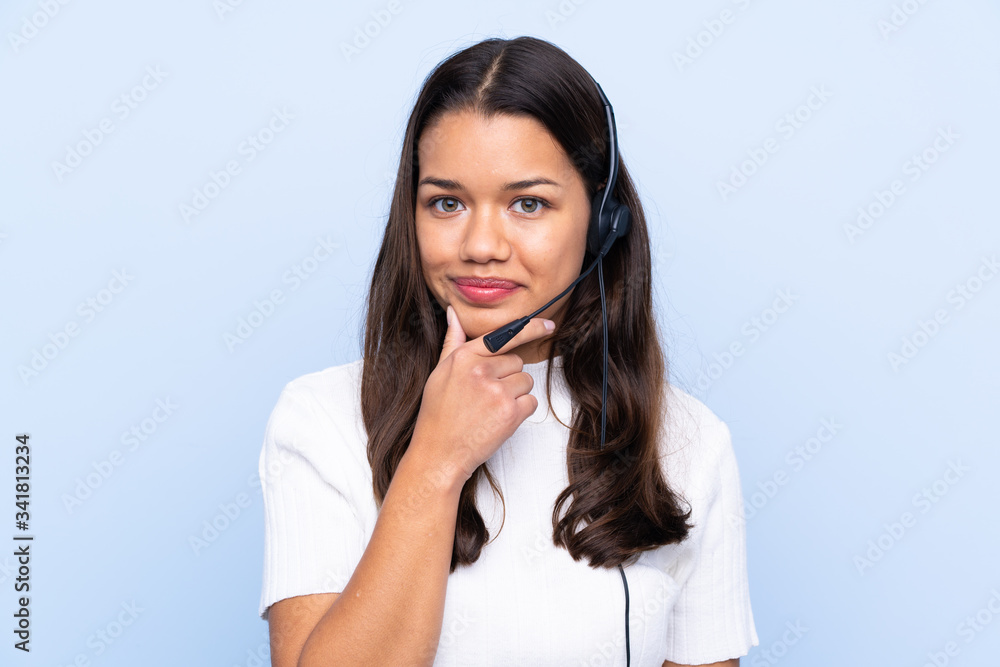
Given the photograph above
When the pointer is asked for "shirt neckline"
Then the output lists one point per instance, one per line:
(556, 362)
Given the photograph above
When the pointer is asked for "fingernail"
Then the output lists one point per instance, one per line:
(449, 314)
(550, 325)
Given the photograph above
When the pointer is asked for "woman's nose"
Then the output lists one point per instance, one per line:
(485, 236)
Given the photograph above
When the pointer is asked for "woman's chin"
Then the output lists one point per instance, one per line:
(475, 327)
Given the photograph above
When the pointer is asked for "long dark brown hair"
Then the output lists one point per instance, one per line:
(619, 502)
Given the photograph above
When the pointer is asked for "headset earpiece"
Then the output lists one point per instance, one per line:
(621, 220)
(607, 215)
(615, 218)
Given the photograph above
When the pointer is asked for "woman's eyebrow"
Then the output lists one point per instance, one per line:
(448, 184)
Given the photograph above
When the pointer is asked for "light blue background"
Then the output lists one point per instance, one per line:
(719, 263)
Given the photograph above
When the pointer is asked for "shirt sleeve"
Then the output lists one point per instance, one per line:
(313, 538)
(712, 620)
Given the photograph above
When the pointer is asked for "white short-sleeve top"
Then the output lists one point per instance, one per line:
(525, 601)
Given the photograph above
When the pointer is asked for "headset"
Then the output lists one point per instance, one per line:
(609, 221)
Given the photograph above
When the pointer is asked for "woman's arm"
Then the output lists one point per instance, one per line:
(735, 662)
(391, 610)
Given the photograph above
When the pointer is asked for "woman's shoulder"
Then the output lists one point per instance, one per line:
(317, 416)
(328, 385)
(696, 444)
(689, 417)
(310, 402)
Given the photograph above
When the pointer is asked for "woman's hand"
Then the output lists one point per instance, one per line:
(473, 400)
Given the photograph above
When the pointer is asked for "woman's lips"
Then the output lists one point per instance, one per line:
(485, 290)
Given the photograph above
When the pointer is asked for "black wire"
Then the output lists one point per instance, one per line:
(628, 651)
(604, 403)
(604, 318)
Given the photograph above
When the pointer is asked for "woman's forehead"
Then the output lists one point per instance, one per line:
(503, 147)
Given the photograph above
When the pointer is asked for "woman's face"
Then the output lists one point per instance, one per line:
(498, 199)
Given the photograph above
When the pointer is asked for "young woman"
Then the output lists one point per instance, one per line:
(384, 544)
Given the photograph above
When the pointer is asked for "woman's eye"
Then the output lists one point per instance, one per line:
(530, 204)
(450, 204)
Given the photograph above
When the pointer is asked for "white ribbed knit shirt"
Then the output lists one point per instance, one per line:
(525, 601)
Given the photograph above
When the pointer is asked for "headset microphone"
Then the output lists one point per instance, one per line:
(496, 340)
(609, 220)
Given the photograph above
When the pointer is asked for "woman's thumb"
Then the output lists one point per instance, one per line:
(454, 336)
